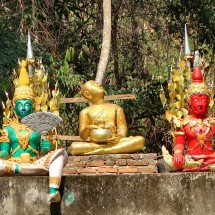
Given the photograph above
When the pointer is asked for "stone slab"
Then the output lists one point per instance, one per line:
(128, 194)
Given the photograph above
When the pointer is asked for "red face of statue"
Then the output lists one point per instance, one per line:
(198, 105)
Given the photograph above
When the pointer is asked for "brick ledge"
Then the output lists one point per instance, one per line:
(112, 164)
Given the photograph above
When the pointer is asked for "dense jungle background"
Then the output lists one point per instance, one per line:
(147, 37)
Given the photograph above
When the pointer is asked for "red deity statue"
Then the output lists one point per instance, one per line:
(193, 149)
(194, 133)
(194, 137)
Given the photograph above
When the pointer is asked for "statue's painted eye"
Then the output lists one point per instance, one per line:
(19, 105)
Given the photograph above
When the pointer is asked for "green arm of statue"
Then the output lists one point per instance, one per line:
(5, 150)
(45, 146)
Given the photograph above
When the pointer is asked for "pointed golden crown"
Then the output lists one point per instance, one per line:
(23, 90)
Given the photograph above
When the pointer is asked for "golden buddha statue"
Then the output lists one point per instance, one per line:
(104, 125)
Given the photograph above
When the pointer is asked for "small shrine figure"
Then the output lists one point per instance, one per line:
(23, 151)
(104, 125)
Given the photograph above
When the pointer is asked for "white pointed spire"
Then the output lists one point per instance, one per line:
(197, 59)
(186, 42)
(30, 54)
(187, 51)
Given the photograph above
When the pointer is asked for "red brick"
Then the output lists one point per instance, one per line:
(125, 156)
(70, 158)
(67, 165)
(109, 163)
(97, 157)
(137, 163)
(152, 162)
(69, 171)
(121, 162)
(87, 170)
(152, 156)
(127, 170)
(107, 170)
(147, 169)
(85, 158)
(114, 157)
(76, 158)
(107, 157)
(135, 156)
(96, 163)
(79, 164)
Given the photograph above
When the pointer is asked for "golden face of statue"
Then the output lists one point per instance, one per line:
(91, 91)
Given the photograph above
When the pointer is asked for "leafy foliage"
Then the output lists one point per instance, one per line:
(146, 40)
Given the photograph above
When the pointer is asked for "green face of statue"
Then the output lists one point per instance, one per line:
(23, 107)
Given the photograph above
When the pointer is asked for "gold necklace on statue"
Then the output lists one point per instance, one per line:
(22, 132)
(201, 137)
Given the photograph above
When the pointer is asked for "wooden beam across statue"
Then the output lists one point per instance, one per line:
(107, 98)
(66, 137)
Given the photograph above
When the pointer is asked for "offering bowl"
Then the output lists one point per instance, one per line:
(100, 135)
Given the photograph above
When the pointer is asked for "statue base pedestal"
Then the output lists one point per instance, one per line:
(112, 164)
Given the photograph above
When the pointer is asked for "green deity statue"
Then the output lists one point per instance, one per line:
(25, 152)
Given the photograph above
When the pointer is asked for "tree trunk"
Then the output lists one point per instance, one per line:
(115, 44)
(106, 42)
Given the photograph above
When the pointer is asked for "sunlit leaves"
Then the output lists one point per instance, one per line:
(169, 115)
(176, 87)
(211, 104)
(182, 65)
(172, 86)
(40, 85)
(163, 98)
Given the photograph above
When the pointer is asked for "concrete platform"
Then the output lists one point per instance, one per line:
(140, 194)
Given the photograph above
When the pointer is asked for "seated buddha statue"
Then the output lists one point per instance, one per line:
(103, 125)
(23, 151)
(193, 149)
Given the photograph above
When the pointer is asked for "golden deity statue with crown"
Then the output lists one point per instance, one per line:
(194, 129)
(22, 150)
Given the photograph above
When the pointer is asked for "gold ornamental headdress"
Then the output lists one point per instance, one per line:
(181, 77)
(23, 90)
(197, 86)
(31, 82)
